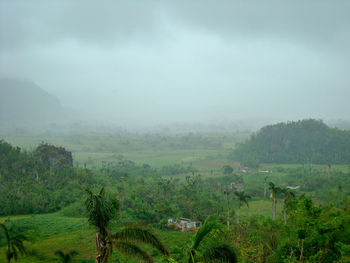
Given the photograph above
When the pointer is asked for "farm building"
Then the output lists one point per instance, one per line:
(185, 224)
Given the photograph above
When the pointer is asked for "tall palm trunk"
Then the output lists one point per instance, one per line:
(100, 249)
(228, 213)
(273, 209)
(285, 212)
(8, 252)
(239, 208)
(228, 219)
(302, 251)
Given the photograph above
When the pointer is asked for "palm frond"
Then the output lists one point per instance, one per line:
(18, 245)
(209, 225)
(5, 231)
(73, 253)
(140, 235)
(66, 257)
(102, 191)
(219, 253)
(60, 255)
(14, 253)
(132, 250)
(100, 208)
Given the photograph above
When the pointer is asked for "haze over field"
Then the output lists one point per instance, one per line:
(148, 62)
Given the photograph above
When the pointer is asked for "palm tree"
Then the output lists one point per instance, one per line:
(265, 185)
(102, 209)
(242, 199)
(274, 192)
(287, 195)
(226, 193)
(14, 243)
(205, 245)
(65, 258)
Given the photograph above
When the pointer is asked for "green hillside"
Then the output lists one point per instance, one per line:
(28, 186)
(306, 141)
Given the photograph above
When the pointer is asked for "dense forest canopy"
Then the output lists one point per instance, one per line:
(306, 141)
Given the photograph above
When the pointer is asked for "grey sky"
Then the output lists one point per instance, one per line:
(161, 61)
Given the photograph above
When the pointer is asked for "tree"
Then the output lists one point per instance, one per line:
(14, 243)
(265, 185)
(227, 169)
(287, 195)
(65, 258)
(101, 209)
(242, 199)
(205, 246)
(274, 192)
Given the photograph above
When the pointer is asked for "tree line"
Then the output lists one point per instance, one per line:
(307, 141)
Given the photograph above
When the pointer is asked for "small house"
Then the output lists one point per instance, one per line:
(293, 187)
(185, 224)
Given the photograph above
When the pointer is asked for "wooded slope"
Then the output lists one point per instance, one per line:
(306, 141)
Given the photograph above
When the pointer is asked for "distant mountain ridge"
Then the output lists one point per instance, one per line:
(24, 101)
(306, 141)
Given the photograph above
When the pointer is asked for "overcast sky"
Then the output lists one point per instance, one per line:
(164, 61)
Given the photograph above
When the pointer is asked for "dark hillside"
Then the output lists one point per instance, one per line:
(306, 141)
(24, 101)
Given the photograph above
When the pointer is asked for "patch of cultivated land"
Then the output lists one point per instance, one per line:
(49, 232)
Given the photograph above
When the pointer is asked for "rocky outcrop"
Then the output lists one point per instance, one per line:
(52, 156)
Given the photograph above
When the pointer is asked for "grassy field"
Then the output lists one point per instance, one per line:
(93, 149)
(49, 232)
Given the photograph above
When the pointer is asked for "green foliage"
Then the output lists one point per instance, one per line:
(206, 246)
(220, 252)
(38, 189)
(101, 209)
(242, 198)
(14, 242)
(307, 141)
(125, 237)
(176, 169)
(227, 169)
(65, 258)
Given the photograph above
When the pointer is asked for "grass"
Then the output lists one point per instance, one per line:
(259, 207)
(49, 232)
(92, 149)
